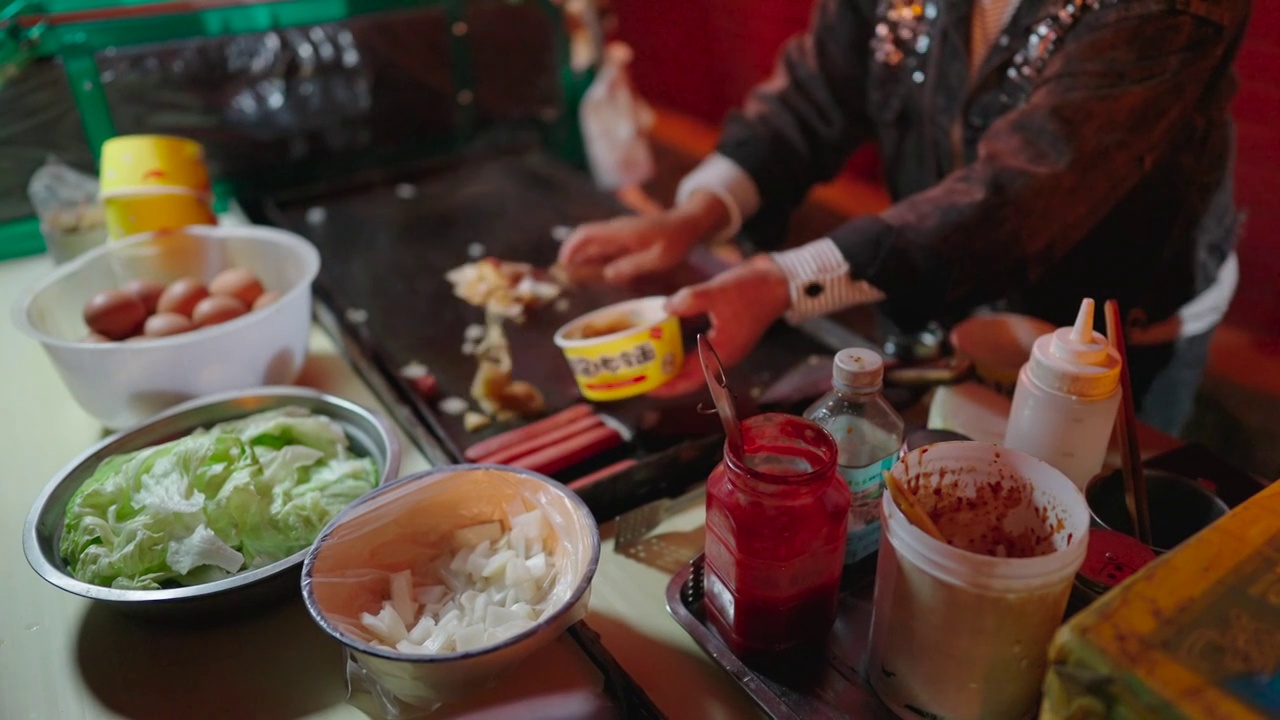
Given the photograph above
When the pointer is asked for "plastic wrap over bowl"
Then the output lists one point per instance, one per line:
(409, 524)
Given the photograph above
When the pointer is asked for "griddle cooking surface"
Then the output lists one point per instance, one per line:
(386, 245)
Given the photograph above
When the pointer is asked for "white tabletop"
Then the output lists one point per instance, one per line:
(64, 658)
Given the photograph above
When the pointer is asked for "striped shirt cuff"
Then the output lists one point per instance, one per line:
(728, 181)
(821, 281)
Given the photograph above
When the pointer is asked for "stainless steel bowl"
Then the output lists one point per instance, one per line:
(368, 432)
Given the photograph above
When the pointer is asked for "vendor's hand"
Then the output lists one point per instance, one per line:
(629, 247)
(741, 303)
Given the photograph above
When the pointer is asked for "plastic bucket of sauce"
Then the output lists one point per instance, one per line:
(961, 629)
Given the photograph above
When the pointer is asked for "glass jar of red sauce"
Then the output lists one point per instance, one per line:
(776, 526)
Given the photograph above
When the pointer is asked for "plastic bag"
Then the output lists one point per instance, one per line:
(409, 525)
(615, 124)
(66, 201)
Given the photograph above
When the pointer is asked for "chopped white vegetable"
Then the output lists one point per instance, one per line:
(537, 565)
(475, 534)
(422, 631)
(431, 595)
(493, 586)
(498, 616)
(414, 371)
(402, 596)
(516, 573)
(470, 638)
(454, 405)
(498, 563)
(530, 524)
(386, 625)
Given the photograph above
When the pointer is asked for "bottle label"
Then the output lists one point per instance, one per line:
(868, 480)
(867, 485)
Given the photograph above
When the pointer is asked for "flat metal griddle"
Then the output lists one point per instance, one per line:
(386, 241)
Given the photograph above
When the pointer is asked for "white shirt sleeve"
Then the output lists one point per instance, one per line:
(1206, 310)
(821, 281)
(735, 188)
(817, 273)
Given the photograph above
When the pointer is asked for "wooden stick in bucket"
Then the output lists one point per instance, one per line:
(1135, 484)
(907, 503)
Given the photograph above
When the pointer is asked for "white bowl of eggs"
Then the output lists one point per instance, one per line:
(145, 322)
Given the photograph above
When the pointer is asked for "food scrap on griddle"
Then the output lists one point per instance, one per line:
(502, 287)
(493, 389)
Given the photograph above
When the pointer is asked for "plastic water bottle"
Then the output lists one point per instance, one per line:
(868, 434)
(1064, 406)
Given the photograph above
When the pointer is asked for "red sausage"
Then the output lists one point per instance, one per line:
(526, 432)
(511, 452)
(609, 471)
(567, 453)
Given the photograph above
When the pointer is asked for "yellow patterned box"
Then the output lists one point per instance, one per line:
(1196, 634)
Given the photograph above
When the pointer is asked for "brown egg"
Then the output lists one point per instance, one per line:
(217, 309)
(181, 296)
(237, 283)
(147, 291)
(167, 323)
(265, 299)
(93, 337)
(114, 314)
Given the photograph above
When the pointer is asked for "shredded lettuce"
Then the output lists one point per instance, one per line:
(239, 495)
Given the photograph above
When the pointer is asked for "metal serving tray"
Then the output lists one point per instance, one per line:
(832, 687)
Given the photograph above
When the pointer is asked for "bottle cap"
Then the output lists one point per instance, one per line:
(858, 369)
(1076, 360)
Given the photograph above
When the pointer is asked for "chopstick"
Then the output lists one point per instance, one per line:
(1135, 486)
(907, 503)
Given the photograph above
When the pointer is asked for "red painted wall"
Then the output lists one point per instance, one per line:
(700, 57)
(1257, 112)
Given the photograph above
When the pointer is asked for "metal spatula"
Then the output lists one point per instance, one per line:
(634, 526)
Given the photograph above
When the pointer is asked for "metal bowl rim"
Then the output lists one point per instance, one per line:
(55, 576)
(575, 597)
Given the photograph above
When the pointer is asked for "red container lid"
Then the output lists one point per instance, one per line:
(1111, 557)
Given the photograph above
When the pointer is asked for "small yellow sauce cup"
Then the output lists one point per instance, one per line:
(641, 350)
(135, 164)
(130, 215)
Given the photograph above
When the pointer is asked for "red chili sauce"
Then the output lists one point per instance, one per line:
(776, 522)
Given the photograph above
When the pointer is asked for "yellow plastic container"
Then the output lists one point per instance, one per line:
(623, 350)
(143, 164)
(130, 215)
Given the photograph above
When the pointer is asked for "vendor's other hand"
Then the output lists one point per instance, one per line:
(629, 247)
(741, 304)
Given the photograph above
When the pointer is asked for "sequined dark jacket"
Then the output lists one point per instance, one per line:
(1091, 154)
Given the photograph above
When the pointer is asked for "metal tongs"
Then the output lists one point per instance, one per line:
(719, 386)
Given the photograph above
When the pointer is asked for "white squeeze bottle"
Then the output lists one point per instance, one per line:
(1064, 407)
(868, 434)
